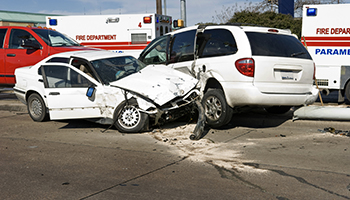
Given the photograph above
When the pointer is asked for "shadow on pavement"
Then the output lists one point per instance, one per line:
(258, 118)
(7, 94)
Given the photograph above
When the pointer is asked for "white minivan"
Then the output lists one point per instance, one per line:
(239, 66)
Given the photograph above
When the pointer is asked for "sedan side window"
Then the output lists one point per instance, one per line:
(63, 77)
(18, 37)
(84, 67)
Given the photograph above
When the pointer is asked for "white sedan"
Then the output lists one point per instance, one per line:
(106, 88)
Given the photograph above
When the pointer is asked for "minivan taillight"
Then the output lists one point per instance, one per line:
(245, 66)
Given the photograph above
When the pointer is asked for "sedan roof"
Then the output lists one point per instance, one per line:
(88, 55)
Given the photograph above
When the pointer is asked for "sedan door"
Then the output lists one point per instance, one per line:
(65, 90)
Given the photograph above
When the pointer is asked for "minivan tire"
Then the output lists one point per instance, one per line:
(217, 112)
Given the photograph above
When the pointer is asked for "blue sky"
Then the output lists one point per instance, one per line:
(197, 10)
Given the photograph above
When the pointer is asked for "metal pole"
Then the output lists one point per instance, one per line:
(159, 7)
(272, 2)
(183, 11)
(164, 7)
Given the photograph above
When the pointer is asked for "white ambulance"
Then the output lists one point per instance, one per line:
(123, 34)
(326, 33)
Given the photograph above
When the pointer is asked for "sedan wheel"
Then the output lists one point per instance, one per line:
(36, 108)
(217, 112)
(130, 119)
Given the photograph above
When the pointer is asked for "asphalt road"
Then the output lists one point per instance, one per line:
(257, 156)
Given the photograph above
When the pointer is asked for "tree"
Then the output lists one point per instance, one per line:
(272, 5)
(268, 19)
(264, 6)
(264, 13)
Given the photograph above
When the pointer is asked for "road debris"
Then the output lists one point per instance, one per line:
(334, 131)
(221, 154)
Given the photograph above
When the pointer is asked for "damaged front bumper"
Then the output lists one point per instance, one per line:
(170, 111)
(174, 109)
(178, 108)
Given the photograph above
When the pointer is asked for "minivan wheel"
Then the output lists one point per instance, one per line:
(217, 112)
(36, 108)
(130, 119)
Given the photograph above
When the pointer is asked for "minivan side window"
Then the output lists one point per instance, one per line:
(18, 37)
(182, 47)
(216, 42)
(2, 37)
(155, 52)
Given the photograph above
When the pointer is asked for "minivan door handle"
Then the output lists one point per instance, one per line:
(11, 55)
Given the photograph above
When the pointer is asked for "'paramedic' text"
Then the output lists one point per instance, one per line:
(332, 52)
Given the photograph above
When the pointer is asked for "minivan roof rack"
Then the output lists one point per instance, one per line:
(241, 24)
(230, 24)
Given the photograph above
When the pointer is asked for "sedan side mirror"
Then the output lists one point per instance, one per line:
(91, 92)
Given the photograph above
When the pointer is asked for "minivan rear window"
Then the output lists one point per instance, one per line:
(268, 44)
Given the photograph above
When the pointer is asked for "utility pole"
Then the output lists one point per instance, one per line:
(272, 2)
(165, 7)
(159, 7)
(183, 11)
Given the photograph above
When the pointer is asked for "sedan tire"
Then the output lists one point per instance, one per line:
(130, 119)
(217, 112)
(36, 108)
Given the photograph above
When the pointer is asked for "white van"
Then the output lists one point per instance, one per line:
(239, 66)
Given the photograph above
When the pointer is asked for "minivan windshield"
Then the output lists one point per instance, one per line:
(269, 44)
(55, 39)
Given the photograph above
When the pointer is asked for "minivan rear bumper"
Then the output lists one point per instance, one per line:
(246, 94)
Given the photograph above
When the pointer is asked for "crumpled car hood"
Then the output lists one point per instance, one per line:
(158, 82)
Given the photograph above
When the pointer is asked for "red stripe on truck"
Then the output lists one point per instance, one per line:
(116, 45)
(327, 41)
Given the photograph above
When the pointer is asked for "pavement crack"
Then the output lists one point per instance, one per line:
(302, 180)
(234, 176)
(299, 179)
(132, 179)
(246, 133)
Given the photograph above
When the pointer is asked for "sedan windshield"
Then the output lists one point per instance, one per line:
(113, 69)
(55, 39)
